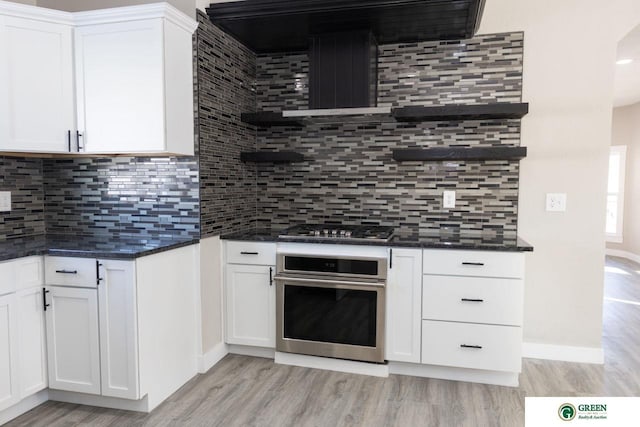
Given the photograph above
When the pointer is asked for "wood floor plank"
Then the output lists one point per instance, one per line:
(247, 391)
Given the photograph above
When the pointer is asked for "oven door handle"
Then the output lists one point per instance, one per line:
(303, 280)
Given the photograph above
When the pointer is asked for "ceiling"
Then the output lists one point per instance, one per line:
(286, 25)
(627, 80)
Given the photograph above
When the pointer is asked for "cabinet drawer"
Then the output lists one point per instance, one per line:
(7, 277)
(466, 345)
(472, 299)
(473, 263)
(255, 253)
(66, 271)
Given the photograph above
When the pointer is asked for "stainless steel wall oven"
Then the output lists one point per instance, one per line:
(331, 306)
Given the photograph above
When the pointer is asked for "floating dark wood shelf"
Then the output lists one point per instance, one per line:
(415, 113)
(269, 118)
(271, 157)
(459, 153)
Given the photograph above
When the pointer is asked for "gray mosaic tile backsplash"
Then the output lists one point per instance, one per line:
(349, 175)
(23, 177)
(155, 197)
(226, 74)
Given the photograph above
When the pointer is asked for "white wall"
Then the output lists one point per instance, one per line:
(626, 131)
(187, 6)
(211, 292)
(569, 56)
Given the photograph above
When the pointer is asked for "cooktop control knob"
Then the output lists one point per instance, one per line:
(347, 234)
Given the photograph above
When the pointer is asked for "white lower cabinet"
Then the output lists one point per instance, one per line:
(464, 345)
(250, 305)
(118, 330)
(73, 340)
(32, 341)
(9, 371)
(472, 306)
(92, 331)
(404, 289)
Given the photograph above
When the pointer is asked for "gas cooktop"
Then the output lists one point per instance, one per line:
(371, 233)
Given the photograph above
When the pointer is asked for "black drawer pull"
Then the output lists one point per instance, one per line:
(476, 264)
(471, 300)
(67, 271)
(471, 346)
(248, 253)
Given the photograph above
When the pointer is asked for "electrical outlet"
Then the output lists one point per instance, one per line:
(449, 199)
(556, 202)
(5, 201)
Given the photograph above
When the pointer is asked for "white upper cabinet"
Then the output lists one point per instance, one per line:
(37, 111)
(112, 81)
(135, 81)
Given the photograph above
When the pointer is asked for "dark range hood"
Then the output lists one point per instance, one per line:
(342, 37)
(268, 26)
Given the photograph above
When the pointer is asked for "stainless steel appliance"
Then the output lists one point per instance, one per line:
(370, 233)
(331, 306)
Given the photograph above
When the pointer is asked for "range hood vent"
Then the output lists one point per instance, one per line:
(343, 71)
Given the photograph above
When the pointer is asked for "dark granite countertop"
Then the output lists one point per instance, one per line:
(96, 246)
(403, 239)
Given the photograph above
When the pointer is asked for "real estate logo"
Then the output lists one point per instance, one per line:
(567, 412)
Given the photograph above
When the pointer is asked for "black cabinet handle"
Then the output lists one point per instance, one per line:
(44, 299)
(471, 346)
(67, 271)
(69, 139)
(78, 135)
(390, 259)
(471, 300)
(270, 276)
(477, 264)
(248, 253)
(98, 278)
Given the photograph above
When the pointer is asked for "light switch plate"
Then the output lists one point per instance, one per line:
(5, 201)
(449, 199)
(556, 202)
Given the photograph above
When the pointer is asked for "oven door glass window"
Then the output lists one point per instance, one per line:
(341, 316)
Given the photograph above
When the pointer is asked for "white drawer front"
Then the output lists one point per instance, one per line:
(7, 277)
(472, 299)
(465, 345)
(255, 253)
(29, 272)
(473, 263)
(68, 271)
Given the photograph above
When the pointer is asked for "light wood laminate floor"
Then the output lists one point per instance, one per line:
(247, 391)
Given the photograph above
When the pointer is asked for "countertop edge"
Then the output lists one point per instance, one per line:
(521, 246)
(96, 254)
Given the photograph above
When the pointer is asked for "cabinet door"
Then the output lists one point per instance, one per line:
(250, 304)
(9, 390)
(118, 329)
(32, 342)
(37, 104)
(119, 77)
(72, 339)
(404, 317)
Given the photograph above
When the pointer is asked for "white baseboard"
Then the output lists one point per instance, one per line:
(508, 379)
(141, 405)
(328, 364)
(623, 254)
(211, 357)
(244, 350)
(24, 406)
(565, 353)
